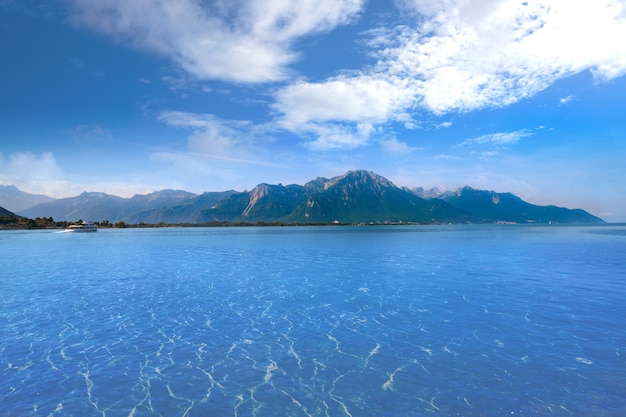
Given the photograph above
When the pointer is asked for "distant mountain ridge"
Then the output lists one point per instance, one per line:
(100, 206)
(13, 199)
(356, 197)
(490, 206)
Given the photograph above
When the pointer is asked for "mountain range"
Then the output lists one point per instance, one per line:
(14, 200)
(355, 197)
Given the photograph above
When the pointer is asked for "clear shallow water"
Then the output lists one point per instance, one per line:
(336, 321)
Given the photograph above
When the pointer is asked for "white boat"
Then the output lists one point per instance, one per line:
(82, 228)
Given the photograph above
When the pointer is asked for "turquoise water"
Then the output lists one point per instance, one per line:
(323, 321)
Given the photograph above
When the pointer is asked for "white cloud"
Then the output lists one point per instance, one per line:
(451, 56)
(498, 139)
(488, 155)
(394, 146)
(368, 98)
(41, 174)
(91, 133)
(25, 167)
(201, 172)
(464, 55)
(241, 41)
(335, 136)
(212, 137)
(189, 120)
(448, 157)
(473, 54)
(219, 154)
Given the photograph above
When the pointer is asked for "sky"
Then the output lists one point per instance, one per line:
(129, 97)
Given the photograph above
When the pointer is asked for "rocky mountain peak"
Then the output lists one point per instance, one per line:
(256, 194)
(359, 177)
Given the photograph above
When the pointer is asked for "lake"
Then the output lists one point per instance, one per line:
(314, 321)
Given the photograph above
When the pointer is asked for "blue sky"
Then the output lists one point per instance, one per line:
(130, 97)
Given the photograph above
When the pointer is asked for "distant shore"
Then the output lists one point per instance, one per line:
(21, 223)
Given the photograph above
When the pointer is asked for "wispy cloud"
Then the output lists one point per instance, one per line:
(216, 146)
(488, 155)
(498, 139)
(91, 133)
(219, 153)
(337, 136)
(394, 146)
(448, 157)
(212, 136)
(245, 41)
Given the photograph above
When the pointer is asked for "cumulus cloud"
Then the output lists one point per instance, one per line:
(26, 166)
(473, 54)
(366, 98)
(448, 56)
(465, 55)
(343, 113)
(241, 41)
